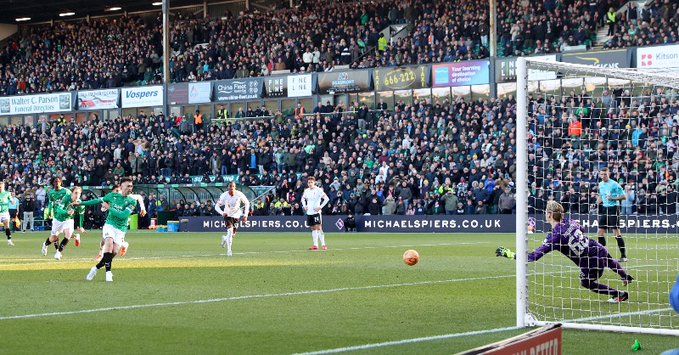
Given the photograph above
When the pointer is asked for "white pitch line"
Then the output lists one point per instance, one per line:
(250, 297)
(47, 260)
(408, 341)
(619, 315)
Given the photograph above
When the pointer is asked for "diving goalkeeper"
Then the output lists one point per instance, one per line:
(567, 237)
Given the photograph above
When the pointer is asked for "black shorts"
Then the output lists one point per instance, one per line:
(609, 217)
(313, 219)
(231, 222)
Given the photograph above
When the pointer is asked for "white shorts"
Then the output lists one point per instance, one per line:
(59, 227)
(117, 235)
(4, 217)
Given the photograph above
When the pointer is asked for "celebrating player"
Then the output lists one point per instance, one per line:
(5, 197)
(124, 245)
(63, 220)
(610, 195)
(232, 212)
(567, 237)
(59, 199)
(115, 227)
(313, 201)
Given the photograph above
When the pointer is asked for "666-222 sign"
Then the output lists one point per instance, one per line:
(401, 78)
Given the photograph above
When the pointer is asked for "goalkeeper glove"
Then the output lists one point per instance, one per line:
(502, 251)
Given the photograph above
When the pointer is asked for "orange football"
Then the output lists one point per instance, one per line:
(411, 257)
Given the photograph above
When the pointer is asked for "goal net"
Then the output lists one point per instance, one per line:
(581, 121)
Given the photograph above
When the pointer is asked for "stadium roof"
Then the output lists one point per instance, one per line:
(46, 10)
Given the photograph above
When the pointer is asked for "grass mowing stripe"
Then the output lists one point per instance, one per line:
(408, 341)
(49, 260)
(250, 297)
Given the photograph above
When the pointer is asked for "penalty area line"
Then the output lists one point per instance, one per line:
(409, 341)
(252, 297)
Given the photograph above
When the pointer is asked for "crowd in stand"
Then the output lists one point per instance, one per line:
(316, 36)
(426, 158)
(542, 27)
(637, 138)
(103, 53)
(419, 159)
(657, 23)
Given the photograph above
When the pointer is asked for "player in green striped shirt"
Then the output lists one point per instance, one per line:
(5, 197)
(125, 245)
(62, 210)
(121, 206)
(64, 221)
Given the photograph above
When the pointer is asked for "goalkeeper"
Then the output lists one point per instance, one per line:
(567, 237)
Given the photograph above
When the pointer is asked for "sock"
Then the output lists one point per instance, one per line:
(599, 288)
(47, 241)
(229, 239)
(8, 233)
(105, 261)
(314, 236)
(56, 244)
(109, 262)
(63, 243)
(621, 246)
(617, 268)
(321, 236)
(602, 240)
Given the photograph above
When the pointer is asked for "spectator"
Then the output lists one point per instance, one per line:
(507, 201)
(389, 206)
(198, 121)
(30, 208)
(611, 20)
(13, 209)
(628, 203)
(450, 202)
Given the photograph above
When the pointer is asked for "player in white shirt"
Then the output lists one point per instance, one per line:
(232, 212)
(313, 201)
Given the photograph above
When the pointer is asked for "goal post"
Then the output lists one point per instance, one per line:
(574, 121)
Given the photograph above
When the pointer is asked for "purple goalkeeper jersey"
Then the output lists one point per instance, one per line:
(568, 238)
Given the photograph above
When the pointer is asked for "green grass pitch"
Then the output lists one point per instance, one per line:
(273, 296)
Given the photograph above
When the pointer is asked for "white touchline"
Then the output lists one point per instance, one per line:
(408, 341)
(618, 315)
(188, 256)
(250, 297)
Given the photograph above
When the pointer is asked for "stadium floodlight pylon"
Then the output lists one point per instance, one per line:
(548, 291)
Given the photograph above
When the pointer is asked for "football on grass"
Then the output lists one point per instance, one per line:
(411, 257)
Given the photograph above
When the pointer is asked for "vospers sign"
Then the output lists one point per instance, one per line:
(142, 96)
(413, 77)
(36, 104)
